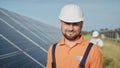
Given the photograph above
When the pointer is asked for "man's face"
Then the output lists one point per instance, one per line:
(71, 31)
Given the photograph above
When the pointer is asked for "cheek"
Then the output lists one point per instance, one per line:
(78, 29)
(63, 27)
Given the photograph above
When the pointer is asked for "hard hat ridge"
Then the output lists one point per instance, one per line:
(71, 13)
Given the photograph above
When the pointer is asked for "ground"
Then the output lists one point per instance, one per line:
(110, 52)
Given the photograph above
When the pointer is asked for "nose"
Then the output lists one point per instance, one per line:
(70, 26)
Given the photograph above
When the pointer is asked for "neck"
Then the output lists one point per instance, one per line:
(70, 43)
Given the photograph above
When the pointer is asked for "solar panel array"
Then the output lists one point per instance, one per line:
(23, 41)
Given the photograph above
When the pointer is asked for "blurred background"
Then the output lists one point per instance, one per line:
(29, 27)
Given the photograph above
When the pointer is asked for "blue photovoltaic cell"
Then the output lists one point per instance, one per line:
(24, 42)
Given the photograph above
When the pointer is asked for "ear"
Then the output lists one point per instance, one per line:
(81, 24)
(61, 23)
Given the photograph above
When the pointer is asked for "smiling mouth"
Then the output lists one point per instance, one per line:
(70, 33)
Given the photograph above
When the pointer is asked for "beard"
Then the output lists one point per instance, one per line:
(73, 35)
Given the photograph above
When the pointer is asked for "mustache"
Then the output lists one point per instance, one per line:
(70, 31)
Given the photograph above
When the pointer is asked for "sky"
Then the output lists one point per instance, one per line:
(98, 14)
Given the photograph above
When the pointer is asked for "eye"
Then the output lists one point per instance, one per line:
(75, 24)
(67, 23)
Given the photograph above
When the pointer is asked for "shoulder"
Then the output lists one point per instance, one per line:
(95, 57)
(95, 48)
(51, 46)
(95, 51)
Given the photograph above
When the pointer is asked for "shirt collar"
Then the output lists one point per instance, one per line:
(62, 41)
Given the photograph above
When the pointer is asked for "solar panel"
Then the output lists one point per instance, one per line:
(23, 41)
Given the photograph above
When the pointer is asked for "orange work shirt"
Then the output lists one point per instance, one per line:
(70, 57)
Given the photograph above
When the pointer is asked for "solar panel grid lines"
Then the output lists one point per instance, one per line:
(32, 22)
(23, 26)
(3, 45)
(23, 35)
(9, 54)
(31, 26)
(19, 49)
(18, 61)
(22, 51)
(24, 41)
(41, 31)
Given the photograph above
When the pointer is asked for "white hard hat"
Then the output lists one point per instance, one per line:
(71, 13)
(95, 34)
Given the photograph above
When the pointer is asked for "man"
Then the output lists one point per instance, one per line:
(70, 49)
(96, 40)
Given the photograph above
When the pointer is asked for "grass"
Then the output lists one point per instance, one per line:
(110, 53)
